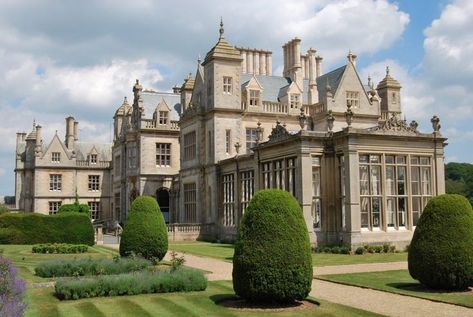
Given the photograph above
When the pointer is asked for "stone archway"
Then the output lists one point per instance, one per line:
(162, 197)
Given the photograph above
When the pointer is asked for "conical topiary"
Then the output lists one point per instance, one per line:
(441, 251)
(272, 260)
(145, 232)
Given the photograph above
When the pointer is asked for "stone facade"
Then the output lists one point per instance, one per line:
(360, 172)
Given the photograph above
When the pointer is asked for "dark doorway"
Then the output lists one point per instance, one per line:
(162, 196)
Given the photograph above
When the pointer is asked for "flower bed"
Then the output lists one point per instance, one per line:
(11, 290)
(145, 282)
(59, 248)
(89, 266)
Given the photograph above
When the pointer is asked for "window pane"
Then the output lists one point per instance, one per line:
(401, 180)
(375, 180)
(376, 201)
(390, 189)
(415, 180)
(402, 211)
(364, 182)
(365, 206)
(391, 212)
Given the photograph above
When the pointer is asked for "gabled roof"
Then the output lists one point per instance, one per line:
(151, 100)
(332, 78)
(63, 146)
(104, 150)
(271, 85)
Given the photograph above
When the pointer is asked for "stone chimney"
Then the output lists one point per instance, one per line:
(76, 131)
(38, 149)
(313, 93)
(254, 61)
(70, 138)
(292, 61)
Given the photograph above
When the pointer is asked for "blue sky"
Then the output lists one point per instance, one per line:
(75, 58)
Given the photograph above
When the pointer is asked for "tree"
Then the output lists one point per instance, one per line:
(441, 251)
(145, 231)
(272, 259)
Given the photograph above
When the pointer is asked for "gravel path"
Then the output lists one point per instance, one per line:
(384, 303)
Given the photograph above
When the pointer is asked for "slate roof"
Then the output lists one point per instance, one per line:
(104, 150)
(272, 85)
(333, 78)
(151, 100)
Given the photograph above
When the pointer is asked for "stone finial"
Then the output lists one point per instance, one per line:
(387, 70)
(370, 83)
(137, 88)
(259, 133)
(221, 31)
(413, 126)
(435, 123)
(330, 119)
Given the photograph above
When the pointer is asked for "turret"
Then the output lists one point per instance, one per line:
(389, 90)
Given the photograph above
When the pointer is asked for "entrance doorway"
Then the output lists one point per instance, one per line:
(162, 196)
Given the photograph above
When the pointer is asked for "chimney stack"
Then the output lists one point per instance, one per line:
(38, 148)
(70, 133)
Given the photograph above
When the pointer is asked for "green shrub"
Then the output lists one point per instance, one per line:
(80, 267)
(327, 250)
(272, 259)
(345, 250)
(80, 208)
(336, 250)
(360, 250)
(59, 248)
(33, 228)
(385, 248)
(392, 248)
(163, 281)
(441, 250)
(145, 231)
(378, 248)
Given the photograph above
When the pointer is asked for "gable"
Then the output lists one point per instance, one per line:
(56, 145)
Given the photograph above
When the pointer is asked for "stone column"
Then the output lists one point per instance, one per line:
(318, 61)
(297, 52)
(303, 67)
(352, 197)
(304, 192)
(312, 69)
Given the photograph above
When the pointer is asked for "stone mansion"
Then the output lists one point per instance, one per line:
(360, 172)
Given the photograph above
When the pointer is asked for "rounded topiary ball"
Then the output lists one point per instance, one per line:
(272, 260)
(145, 232)
(441, 251)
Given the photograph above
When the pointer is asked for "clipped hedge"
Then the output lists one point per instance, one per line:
(272, 260)
(64, 248)
(146, 282)
(81, 267)
(145, 233)
(34, 228)
(82, 208)
(441, 252)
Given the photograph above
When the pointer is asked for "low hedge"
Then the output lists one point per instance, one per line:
(34, 228)
(89, 266)
(146, 282)
(82, 208)
(59, 248)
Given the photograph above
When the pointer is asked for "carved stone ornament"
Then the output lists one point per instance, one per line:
(278, 132)
(330, 119)
(435, 123)
(395, 124)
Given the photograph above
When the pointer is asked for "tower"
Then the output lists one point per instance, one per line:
(389, 90)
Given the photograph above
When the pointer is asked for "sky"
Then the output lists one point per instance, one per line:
(80, 58)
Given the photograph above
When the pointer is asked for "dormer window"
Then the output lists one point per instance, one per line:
(93, 158)
(295, 101)
(56, 157)
(254, 97)
(163, 117)
(353, 99)
(227, 85)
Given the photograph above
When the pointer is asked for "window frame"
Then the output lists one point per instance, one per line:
(55, 182)
(93, 183)
(163, 154)
(227, 87)
(56, 157)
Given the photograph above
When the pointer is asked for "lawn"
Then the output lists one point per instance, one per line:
(402, 283)
(42, 302)
(225, 252)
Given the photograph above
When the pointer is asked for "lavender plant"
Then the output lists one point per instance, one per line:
(12, 290)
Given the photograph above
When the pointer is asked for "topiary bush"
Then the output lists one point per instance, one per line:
(33, 228)
(272, 260)
(145, 231)
(83, 208)
(441, 251)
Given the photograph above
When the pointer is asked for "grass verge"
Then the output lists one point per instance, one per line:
(401, 282)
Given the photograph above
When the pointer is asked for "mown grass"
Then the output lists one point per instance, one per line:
(194, 304)
(225, 252)
(42, 302)
(402, 283)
